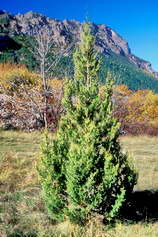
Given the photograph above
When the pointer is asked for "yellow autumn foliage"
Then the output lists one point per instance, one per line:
(15, 77)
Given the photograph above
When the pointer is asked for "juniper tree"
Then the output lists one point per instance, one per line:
(83, 170)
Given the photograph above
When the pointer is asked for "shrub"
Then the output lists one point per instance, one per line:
(83, 171)
(137, 111)
(15, 77)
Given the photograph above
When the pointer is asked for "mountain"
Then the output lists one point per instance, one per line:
(115, 50)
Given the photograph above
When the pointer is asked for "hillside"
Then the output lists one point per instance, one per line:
(16, 32)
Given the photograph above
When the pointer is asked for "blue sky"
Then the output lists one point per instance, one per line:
(135, 20)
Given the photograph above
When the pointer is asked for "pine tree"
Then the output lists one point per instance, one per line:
(83, 170)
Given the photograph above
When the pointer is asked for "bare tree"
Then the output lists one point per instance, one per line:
(48, 56)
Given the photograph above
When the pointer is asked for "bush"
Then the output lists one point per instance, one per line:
(83, 171)
(15, 77)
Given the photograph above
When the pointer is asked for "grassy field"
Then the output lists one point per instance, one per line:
(22, 212)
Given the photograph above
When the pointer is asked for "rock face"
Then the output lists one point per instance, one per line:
(68, 31)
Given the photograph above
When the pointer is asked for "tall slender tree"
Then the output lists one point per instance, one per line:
(83, 170)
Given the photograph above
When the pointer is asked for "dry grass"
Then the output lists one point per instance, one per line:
(22, 212)
(144, 151)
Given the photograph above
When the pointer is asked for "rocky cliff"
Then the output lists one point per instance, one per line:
(67, 31)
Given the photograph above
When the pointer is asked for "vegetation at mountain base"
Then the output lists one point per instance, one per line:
(22, 103)
(120, 67)
(26, 56)
(128, 74)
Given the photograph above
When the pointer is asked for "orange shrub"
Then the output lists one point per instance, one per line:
(136, 110)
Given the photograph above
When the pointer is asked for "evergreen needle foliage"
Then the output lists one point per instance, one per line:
(83, 170)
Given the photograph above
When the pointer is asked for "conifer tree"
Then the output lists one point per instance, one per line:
(83, 170)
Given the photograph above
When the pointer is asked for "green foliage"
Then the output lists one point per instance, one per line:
(83, 170)
(8, 56)
(127, 73)
(4, 19)
(52, 174)
(25, 55)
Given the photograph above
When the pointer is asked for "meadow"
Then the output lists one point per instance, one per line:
(22, 211)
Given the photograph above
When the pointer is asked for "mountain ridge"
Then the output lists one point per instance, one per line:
(64, 32)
